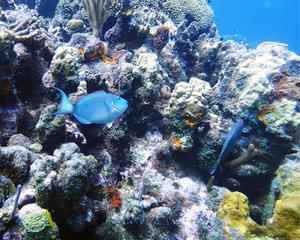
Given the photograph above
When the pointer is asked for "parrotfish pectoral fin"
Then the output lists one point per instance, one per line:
(81, 119)
(65, 106)
(109, 124)
(107, 106)
(243, 142)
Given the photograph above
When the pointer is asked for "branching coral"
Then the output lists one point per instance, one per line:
(98, 11)
(96, 14)
(245, 157)
(25, 29)
(25, 26)
(250, 153)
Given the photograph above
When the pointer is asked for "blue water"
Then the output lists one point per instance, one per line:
(260, 20)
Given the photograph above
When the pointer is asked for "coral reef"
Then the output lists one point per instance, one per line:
(64, 64)
(234, 210)
(284, 223)
(39, 225)
(15, 162)
(98, 11)
(197, 10)
(75, 25)
(261, 90)
(148, 176)
(50, 129)
(7, 188)
(190, 99)
(67, 10)
(63, 176)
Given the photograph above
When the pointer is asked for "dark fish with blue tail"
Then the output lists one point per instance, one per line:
(231, 139)
(97, 107)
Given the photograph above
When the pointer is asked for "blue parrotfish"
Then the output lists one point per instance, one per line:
(98, 107)
(231, 139)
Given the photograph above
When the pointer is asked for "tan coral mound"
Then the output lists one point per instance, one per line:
(234, 210)
(284, 225)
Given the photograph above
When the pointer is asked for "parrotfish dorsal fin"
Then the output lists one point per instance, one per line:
(76, 100)
(100, 91)
(90, 96)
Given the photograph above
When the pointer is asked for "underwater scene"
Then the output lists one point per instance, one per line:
(149, 120)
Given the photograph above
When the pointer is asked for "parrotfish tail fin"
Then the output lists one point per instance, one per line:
(65, 106)
(215, 168)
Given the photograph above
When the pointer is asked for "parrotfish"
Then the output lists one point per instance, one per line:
(231, 139)
(98, 107)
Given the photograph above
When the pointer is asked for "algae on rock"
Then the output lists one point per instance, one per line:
(39, 226)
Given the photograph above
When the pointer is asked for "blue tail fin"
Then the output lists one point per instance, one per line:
(215, 168)
(65, 106)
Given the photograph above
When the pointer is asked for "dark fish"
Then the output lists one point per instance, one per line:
(231, 139)
(232, 184)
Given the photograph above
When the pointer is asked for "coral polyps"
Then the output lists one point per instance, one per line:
(98, 52)
(262, 114)
(190, 122)
(176, 141)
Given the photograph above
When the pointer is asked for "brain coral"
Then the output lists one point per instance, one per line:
(197, 9)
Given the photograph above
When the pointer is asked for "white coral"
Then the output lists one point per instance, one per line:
(190, 98)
